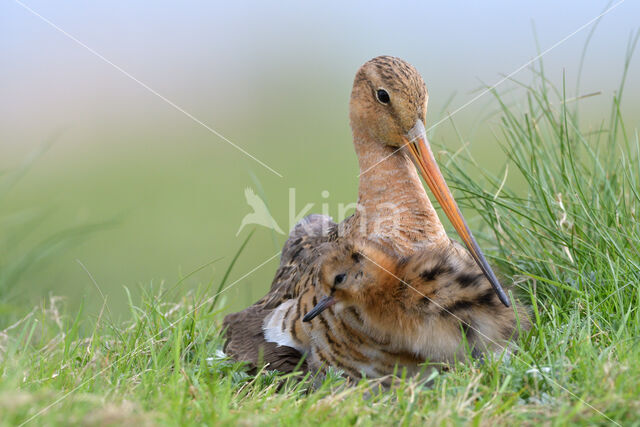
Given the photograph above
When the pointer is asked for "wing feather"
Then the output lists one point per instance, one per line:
(245, 339)
(301, 249)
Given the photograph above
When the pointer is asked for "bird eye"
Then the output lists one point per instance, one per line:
(383, 96)
(339, 279)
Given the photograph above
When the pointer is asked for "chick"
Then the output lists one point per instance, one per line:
(375, 311)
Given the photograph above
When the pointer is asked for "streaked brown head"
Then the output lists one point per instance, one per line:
(349, 271)
(387, 98)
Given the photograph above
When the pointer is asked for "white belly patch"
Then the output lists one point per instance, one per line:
(273, 326)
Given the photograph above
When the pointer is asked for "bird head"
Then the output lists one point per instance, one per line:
(387, 99)
(351, 274)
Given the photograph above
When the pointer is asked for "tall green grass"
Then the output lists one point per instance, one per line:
(20, 250)
(570, 242)
(573, 239)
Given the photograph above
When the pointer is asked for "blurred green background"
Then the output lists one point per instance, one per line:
(275, 80)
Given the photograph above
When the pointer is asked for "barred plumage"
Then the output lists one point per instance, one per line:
(389, 312)
(383, 310)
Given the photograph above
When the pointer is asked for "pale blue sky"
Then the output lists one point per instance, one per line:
(227, 57)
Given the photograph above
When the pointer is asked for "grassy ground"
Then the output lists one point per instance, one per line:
(570, 243)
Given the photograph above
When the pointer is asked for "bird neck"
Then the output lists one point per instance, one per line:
(393, 206)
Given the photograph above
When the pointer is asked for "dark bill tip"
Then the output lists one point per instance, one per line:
(420, 150)
(324, 303)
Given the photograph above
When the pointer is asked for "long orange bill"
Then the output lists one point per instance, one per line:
(419, 148)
